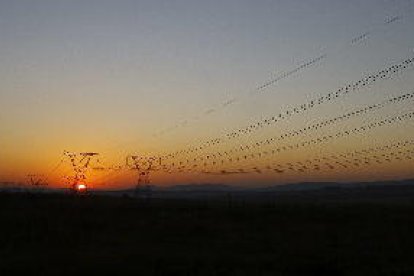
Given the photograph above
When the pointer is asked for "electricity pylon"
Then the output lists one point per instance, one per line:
(80, 164)
(144, 165)
(37, 180)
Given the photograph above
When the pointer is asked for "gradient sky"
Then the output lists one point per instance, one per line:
(112, 76)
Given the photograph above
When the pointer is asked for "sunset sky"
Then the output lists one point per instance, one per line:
(154, 77)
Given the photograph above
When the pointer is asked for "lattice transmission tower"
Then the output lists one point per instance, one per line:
(80, 163)
(143, 165)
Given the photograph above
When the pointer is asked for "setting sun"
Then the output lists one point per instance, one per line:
(81, 187)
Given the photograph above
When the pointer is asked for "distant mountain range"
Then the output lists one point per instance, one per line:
(210, 189)
(302, 186)
(213, 190)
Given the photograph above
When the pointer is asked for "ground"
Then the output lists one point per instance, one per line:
(58, 234)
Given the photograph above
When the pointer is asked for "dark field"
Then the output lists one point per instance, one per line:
(293, 234)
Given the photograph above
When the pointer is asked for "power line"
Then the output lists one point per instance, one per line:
(311, 142)
(302, 131)
(364, 35)
(345, 160)
(302, 108)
